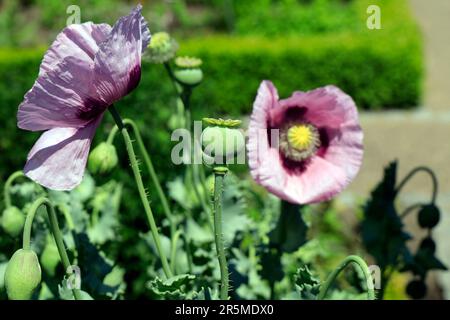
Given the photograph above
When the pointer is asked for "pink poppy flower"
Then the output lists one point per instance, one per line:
(307, 148)
(87, 68)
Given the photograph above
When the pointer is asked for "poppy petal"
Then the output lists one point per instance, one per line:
(117, 69)
(62, 97)
(58, 159)
(77, 40)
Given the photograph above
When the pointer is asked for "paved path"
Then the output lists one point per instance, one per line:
(434, 18)
(420, 137)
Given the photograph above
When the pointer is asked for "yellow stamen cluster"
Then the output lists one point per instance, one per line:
(299, 141)
(300, 137)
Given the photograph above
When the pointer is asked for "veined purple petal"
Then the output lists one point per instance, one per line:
(63, 97)
(76, 40)
(117, 69)
(58, 159)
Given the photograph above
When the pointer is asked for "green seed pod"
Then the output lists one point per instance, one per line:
(50, 256)
(12, 221)
(429, 216)
(190, 77)
(219, 142)
(416, 289)
(22, 275)
(428, 245)
(103, 159)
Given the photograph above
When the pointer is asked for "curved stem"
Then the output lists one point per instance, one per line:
(410, 209)
(218, 235)
(8, 185)
(141, 189)
(358, 262)
(412, 173)
(55, 231)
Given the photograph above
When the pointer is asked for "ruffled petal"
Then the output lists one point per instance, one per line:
(324, 107)
(62, 97)
(321, 181)
(258, 145)
(58, 159)
(117, 69)
(77, 40)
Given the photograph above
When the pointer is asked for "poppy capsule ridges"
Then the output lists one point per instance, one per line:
(23, 275)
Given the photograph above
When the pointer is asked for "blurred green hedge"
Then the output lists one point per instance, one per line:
(379, 68)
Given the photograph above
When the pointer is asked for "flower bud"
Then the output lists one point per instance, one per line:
(429, 216)
(22, 275)
(12, 221)
(103, 159)
(50, 256)
(162, 48)
(188, 70)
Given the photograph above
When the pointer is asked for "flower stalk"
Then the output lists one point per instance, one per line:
(8, 184)
(141, 189)
(219, 174)
(55, 230)
(357, 262)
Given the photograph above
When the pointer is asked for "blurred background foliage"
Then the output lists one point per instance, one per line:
(299, 44)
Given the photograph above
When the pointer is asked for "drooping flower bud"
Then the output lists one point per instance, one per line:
(416, 289)
(103, 159)
(162, 48)
(12, 221)
(188, 70)
(222, 141)
(50, 256)
(429, 216)
(23, 275)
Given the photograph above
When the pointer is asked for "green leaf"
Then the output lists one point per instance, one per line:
(172, 288)
(382, 229)
(307, 285)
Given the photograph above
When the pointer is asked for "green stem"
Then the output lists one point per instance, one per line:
(8, 185)
(358, 262)
(218, 235)
(141, 189)
(150, 168)
(67, 216)
(55, 231)
(412, 173)
(173, 252)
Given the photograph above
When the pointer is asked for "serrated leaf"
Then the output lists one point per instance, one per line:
(172, 288)
(307, 285)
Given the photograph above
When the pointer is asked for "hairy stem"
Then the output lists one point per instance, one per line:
(218, 235)
(141, 189)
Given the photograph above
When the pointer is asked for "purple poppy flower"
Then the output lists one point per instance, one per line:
(87, 68)
(318, 145)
